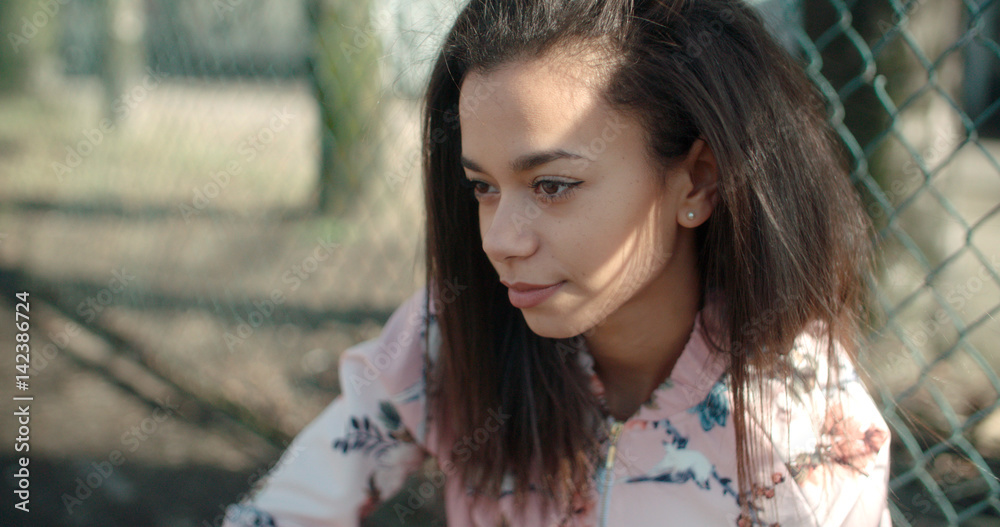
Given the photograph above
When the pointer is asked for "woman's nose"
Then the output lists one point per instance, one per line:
(509, 231)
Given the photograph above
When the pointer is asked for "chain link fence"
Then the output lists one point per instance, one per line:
(209, 201)
(912, 88)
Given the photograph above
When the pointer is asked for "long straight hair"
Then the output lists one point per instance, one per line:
(787, 244)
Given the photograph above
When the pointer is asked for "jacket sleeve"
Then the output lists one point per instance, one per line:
(359, 451)
(871, 504)
(834, 442)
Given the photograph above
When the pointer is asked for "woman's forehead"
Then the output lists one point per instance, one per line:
(540, 102)
(528, 84)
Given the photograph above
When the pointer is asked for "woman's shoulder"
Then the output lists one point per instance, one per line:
(399, 348)
(825, 405)
(826, 429)
(360, 449)
(395, 361)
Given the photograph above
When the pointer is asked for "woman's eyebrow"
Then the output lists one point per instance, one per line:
(528, 161)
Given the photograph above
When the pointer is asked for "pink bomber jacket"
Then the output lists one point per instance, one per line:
(672, 463)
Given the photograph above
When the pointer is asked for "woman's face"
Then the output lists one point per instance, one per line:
(568, 198)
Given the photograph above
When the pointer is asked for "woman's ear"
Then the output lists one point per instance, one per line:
(700, 190)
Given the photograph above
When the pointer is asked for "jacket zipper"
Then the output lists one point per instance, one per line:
(609, 465)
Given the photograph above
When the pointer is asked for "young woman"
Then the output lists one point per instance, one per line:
(646, 266)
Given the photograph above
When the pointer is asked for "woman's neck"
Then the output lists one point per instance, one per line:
(636, 347)
(630, 379)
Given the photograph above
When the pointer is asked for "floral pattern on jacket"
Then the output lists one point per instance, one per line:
(675, 457)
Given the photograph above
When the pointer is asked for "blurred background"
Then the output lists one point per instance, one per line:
(209, 200)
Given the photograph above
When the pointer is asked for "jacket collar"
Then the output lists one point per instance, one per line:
(697, 371)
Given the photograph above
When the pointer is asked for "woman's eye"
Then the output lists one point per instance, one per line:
(480, 188)
(546, 189)
(550, 189)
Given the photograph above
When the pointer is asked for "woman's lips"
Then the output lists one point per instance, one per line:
(525, 298)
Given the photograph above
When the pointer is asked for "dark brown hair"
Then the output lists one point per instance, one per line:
(787, 243)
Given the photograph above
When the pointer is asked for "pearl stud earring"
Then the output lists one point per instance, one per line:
(690, 214)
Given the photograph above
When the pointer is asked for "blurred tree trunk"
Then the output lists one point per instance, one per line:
(108, 52)
(123, 23)
(344, 70)
(17, 33)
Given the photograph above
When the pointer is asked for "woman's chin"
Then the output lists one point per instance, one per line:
(552, 327)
